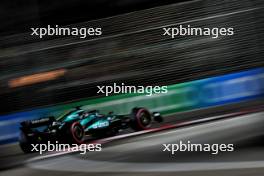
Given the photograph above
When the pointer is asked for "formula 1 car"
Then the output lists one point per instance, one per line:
(75, 125)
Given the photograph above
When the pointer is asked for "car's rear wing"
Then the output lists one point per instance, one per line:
(37, 123)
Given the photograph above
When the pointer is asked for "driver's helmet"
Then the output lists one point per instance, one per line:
(84, 115)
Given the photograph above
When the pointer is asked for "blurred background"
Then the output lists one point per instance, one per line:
(40, 77)
(131, 50)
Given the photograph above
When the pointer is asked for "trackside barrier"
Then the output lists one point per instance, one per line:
(221, 90)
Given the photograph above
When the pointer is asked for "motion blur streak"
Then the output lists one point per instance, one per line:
(132, 50)
(36, 78)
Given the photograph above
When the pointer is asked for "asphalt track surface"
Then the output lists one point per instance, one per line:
(143, 155)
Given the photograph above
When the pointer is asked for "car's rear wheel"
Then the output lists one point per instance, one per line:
(25, 143)
(141, 119)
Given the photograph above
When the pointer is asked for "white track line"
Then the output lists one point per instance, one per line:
(89, 166)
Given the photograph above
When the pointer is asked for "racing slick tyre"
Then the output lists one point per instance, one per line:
(25, 143)
(141, 119)
(76, 133)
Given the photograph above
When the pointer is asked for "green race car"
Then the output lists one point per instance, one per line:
(75, 125)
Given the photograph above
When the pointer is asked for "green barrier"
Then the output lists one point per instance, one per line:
(207, 92)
